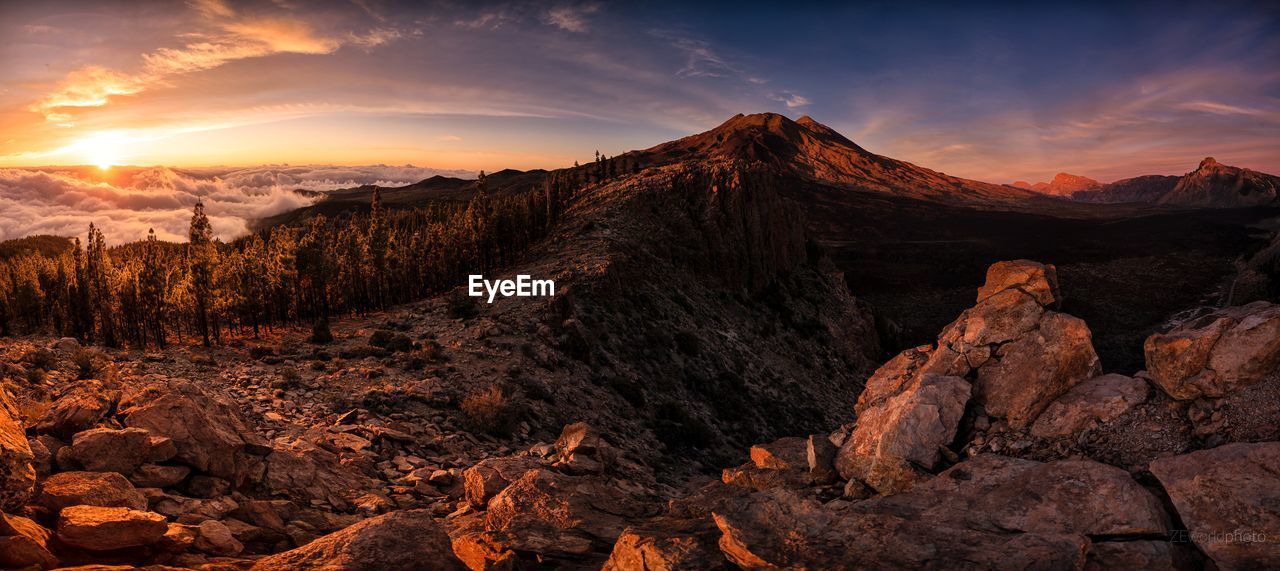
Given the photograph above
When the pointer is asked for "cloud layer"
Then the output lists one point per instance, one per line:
(64, 202)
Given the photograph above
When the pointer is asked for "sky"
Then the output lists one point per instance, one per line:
(991, 91)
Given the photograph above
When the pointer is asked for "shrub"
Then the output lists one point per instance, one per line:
(40, 359)
(87, 363)
(391, 341)
(35, 375)
(320, 332)
(461, 305)
(491, 410)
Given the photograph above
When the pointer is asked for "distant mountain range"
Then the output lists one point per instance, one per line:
(1211, 185)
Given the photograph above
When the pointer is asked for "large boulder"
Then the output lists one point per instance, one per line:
(101, 489)
(123, 451)
(306, 472)
(1017, 352)
(549, 517)
(1095, 401)
(24, 543)
(398, 540)
(81, 406)
(989, 512)
(207, 430)
(107, 529)
(492, 475)
(1229, 499)
(17, 474)
(667, 545)
(1214, 354)
(901, 435)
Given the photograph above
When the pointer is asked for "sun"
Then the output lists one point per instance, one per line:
(101, 149)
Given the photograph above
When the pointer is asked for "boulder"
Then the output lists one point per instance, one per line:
(24, 543)
(80, 407)
(1216, 353)
(17, 473)
(665, 544)
(789, 453)
(1017, 352)
(901, 435)
(110, 450)
(99, 489)
(490, 476)
(1229, 499)
(990, 512)
(207, 431)
(1097, 400)
(306, 473)
(107, 529)
(398, 540)
(1026, 374)
(158, 476)
(215, 538)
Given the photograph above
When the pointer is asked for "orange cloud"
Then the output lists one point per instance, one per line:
(235, 38)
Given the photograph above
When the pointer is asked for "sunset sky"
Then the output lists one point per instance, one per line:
(996, 93)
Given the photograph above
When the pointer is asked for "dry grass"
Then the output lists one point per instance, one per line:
(491, 410)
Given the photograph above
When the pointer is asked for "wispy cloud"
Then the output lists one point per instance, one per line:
(231, 37)
(570, 18)
(791, 100)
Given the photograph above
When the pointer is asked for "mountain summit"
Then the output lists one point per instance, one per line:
(1216, 185)
(820, 154)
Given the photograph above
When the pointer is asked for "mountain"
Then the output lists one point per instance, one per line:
(1148, 189)
(1063, 184)
(1215, 185)
(817, 153)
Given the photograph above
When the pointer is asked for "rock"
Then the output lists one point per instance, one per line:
(376, 544)
(990, 512)
(903, 432)
(305, 472)
(1028, 373)
(1229, 499)
(582, 449)
(110, 450)
(783, 454)
(17, 473)
(820, 455)
(1097, 400)
(107, 529)
(158, 476)
(24, 543)
(1018, 354)
(208, 432)
(1040, 281)
(178, 538)
(492, 475)
(1214, 354)
(208, 487)
(667, 545)
(1125, 555)
(98, 489)
(215, 538)
(80, 407)
(778, 529)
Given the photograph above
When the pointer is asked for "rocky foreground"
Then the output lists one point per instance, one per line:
(1002, 446)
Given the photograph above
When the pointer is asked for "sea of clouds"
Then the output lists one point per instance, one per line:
(126, 201)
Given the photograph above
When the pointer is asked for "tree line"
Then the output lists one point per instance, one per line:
(152, 293)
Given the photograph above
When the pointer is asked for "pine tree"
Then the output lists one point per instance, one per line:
(151, 289)
(201, 257)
